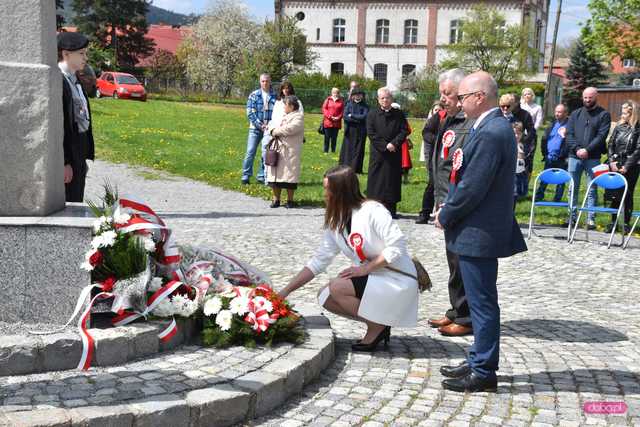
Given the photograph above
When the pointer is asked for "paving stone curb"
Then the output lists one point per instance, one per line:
(30, 354)
(243, 398)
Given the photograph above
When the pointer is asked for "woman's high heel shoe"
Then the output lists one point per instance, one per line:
(384, 336)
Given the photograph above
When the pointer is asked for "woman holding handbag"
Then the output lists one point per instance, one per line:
(380, 289)
(287, 140)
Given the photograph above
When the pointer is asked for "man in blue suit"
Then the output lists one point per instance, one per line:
(479, 226)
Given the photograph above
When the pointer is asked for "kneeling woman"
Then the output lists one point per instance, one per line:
(380, 289)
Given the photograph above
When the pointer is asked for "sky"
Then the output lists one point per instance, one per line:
(573, 13)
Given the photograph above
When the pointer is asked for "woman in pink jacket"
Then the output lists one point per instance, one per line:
(332, 111)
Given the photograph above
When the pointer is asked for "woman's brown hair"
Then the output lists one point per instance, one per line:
(289, 86)
(343, 196)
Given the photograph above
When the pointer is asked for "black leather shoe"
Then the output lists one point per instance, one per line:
(275, 204)
(457, 371)
(290, 205)
(422, 220)
(470, 383)
(383, 337)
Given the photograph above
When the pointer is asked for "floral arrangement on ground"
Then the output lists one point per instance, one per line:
(137, 268)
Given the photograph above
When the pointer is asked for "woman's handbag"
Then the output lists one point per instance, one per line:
(424, 281)
(271, 155)
(321, 128)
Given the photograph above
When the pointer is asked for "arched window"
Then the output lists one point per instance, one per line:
(380, 73)
(382, 31)
(337, 68)
(339, 30)
(455, 33)
(410, 31)
(408, 70)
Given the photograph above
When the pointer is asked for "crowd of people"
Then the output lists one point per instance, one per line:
(479, 150)
(574, 142)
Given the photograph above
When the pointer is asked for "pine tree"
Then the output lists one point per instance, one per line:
(584, 70)
(59, 17)
(120, 25)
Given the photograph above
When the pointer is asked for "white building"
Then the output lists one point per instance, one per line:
(386, 39)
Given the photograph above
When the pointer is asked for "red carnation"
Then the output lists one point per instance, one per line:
(108, 283)
(95, 258)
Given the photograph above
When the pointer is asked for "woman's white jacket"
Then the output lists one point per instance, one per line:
(390, 298)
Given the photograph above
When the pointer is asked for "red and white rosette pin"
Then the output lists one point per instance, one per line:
(457, 164)
(357, 242)
(448, 139)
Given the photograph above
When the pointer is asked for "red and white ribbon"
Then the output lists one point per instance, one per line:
(169, 331)
(457, 164)
(357, 242)
(448, 139)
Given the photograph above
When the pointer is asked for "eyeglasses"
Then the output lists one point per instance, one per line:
(464, 96)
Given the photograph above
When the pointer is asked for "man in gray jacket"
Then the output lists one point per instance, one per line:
(454, 129)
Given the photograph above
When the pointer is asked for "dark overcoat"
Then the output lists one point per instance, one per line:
(384, 181)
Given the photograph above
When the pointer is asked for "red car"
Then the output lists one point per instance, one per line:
(120, 85)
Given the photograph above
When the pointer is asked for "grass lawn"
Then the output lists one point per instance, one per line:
(207, 143)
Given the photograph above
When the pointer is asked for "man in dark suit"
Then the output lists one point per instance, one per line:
(78, 142)
(477, 218)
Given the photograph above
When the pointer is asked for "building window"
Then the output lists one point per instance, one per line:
(382, 32)
(629, 63)
(380, 73)
(410, 31)
(339, 29)
(455, 34)
(317, 34)
(337, 68)
(408, 70)
(538, 34)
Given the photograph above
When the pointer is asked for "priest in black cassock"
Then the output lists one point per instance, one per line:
(387, 129)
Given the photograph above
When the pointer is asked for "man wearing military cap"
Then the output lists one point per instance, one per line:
(78, 136)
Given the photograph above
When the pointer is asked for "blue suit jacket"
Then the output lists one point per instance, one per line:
(478, 213)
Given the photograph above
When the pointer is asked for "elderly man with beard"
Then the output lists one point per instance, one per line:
(387, 129)
(479, 226)
(453, 131)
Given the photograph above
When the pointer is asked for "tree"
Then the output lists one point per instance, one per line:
(99, 58)
(164, 66)
(120, 25)
(614, 29)
(584, 70)
(489, 44)
(221, 41)
(59, 17)
(282, 50)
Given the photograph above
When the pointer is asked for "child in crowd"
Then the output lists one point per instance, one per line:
(520, 188)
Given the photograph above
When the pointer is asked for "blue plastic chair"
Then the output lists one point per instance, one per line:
(633, 227)
(553, 176)
(608, 181)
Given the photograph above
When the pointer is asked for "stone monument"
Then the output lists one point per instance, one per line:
(41, 241)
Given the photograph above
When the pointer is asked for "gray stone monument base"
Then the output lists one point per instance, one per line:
(40, 257)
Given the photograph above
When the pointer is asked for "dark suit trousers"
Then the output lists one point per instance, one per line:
(428, 197)
(459, 311)
(74, 190)
(479, 276)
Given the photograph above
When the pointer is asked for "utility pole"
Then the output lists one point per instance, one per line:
(547, 92)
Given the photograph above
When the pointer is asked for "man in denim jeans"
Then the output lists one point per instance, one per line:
(259, 109)
(587, 131)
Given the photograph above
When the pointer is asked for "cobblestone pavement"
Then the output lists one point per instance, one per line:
(570, 319)
(175, 372)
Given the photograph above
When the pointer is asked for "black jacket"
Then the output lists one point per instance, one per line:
(441, 168)
(624, 146)
(529, 137)
(564, 147)
(588, 129)
(76, 149)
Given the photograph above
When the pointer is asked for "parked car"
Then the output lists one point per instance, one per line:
(120, 85)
